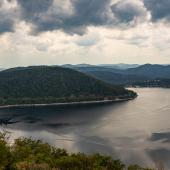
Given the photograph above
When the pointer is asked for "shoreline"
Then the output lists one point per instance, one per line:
(68, 103)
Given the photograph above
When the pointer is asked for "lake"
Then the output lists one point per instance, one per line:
(136, 131)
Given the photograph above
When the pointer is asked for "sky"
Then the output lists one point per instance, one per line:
(55, 32)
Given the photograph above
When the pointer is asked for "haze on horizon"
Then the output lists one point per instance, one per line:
(55, 32)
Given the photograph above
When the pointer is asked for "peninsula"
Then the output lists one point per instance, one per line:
(53, 85)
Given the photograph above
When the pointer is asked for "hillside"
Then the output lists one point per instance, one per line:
(43, 84)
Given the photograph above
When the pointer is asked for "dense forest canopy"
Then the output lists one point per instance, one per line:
(47, 84)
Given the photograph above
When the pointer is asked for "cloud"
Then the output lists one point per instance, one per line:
(32, 10)
(129, 11)
(138, 40)
(159, 9)
(8, 15)
(51, 15)
(87, 40)
(6, 24)
(75, 16)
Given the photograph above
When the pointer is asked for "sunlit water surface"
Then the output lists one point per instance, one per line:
(136, 131)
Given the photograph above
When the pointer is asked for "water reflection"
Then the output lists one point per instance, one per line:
(137, 131)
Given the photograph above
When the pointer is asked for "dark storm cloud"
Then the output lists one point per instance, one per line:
(88, 12)
(7, 17)
(95, 12)
(128, 10)
(6, 25)
(49, 15)
(31, 9)
(159, 9)
(45, 15)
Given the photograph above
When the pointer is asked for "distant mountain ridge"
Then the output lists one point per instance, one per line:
(152, 71)
(128, 76)
(120, 66)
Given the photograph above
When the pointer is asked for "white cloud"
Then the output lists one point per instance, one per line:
(97, 43)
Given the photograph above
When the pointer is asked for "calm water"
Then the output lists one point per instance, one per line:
(136, 131)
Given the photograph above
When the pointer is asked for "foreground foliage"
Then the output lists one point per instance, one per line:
(28, 154)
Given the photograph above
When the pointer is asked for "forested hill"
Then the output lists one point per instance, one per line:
(47, 84)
